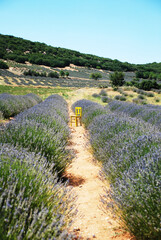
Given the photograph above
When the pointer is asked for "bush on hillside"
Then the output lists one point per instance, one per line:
(95, 76)
(148, 85)
(53, 75)
(3, 65)
(106, 99)
(120, 97)
(117, 79)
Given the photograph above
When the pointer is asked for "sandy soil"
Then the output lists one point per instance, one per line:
(91, 221)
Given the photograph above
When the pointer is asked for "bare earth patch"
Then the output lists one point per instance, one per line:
(91, 221)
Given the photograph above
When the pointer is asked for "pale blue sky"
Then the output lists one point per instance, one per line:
(127, 30)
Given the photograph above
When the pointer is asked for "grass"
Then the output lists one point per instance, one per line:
(40, 91)
(68, 92)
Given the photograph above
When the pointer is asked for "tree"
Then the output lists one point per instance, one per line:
(117, 79)
(95, 76)
(3, 65)
(67, 74)
(62, 73)
(148, 85)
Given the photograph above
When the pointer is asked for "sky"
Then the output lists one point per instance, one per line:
(127, 30)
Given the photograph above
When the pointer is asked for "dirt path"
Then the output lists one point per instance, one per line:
(91, 221)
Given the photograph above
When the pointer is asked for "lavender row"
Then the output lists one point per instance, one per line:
(130, 150)
(32, 202)
(1, 115)
(149, 113)
(42, 129)
(11, 105)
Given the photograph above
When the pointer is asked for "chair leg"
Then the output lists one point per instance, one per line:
(80, 121)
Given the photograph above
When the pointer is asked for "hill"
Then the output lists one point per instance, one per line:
(21, 50)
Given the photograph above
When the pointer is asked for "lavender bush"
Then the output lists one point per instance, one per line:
(33, 204)
(136, 197)
(103, 93)
(106, 99)
(1, 115)
(60, 105)
(84, 103)
(149, 113)
(129, 149)
(42, 129)
(11, 105)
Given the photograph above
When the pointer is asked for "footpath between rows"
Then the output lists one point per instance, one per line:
(91, 221)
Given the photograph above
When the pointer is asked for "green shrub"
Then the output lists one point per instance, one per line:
(32, 73)
(150, 94)
(120, 97)
(115, 89)
(117, 97)
(95, 76)
(148, 85)
(139, 101)
(53, 75)
(62, 73)
(124, 94)
(67, 74)
(141, 96)
(117, 79)
(3, 65)
(106, 99)
(128, 84)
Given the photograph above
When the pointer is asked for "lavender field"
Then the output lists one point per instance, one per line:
(149, 113)
(11, 105)
(130, 151)
(34, 203)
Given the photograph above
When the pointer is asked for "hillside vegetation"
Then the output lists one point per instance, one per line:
(20, 50)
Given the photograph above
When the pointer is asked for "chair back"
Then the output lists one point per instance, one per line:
(78, 111)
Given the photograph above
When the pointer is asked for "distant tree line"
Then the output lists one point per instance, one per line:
(148, 75)
(146, 85)
(117, 79)
(21, 50)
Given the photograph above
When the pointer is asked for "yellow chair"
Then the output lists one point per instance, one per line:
(77, 117)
